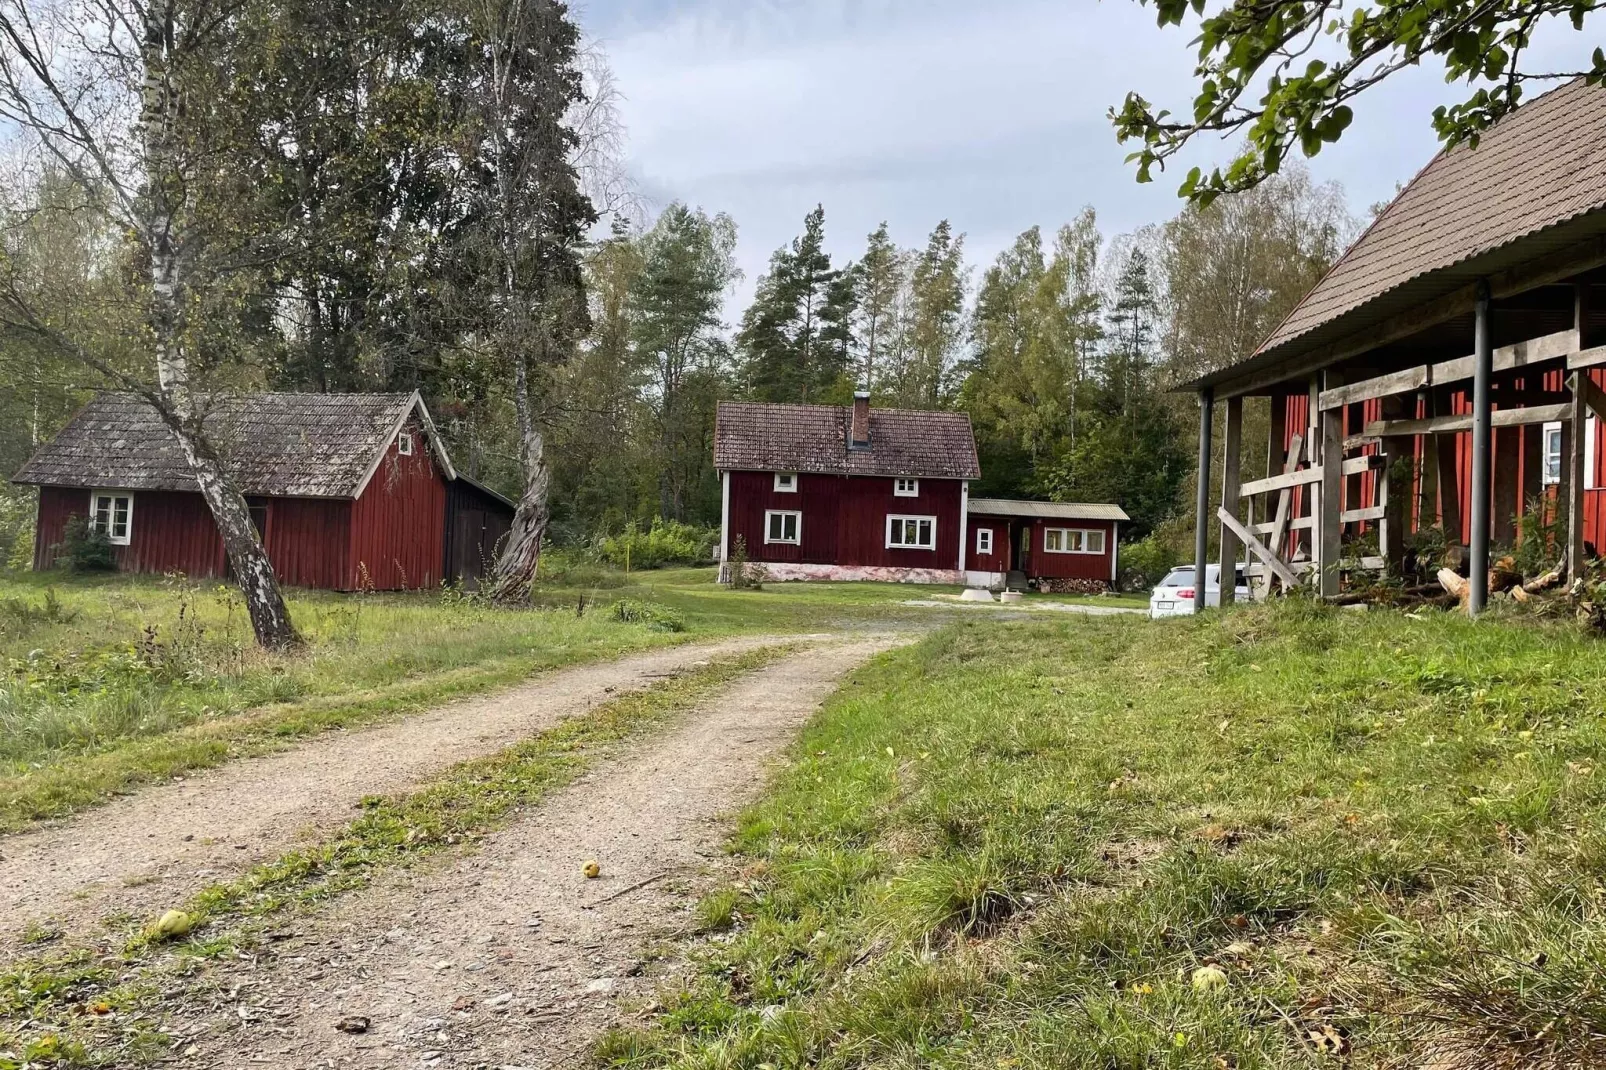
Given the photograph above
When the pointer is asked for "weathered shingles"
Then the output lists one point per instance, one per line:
(290, 445)
(755, 436)
(1541, 165)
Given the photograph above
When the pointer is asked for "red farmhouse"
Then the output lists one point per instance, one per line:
(829, 492)
(347, 490)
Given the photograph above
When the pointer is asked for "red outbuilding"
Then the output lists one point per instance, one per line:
(348, 491)
(855, 493)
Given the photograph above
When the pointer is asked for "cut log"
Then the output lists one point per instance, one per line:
(1455, 584)
(1546, 581)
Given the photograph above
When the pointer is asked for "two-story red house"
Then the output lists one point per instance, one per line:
(855, 493)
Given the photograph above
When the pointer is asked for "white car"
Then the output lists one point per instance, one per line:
(1173, 597)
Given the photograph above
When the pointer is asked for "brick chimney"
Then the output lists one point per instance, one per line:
(859, 431)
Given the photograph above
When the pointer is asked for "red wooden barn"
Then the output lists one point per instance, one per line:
(348, 491)
(855, 493)
(1447, 371)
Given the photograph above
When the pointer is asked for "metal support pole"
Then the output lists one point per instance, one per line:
(1231, 480)
(1201, 524)
(1482, 441)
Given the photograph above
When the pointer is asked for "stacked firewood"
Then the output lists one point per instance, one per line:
(1506, 581)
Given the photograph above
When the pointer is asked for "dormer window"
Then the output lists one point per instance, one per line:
(786, 482)
(906, 488)
(404, 443)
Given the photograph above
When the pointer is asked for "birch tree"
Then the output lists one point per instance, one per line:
(118, 95)
(524, 84)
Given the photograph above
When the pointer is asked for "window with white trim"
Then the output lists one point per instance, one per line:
(911, 533)
(786, 482)
(1073, 541)
(906, 488)
(783, 526)
(404, 443)
(1591, 432)
(984, 540)
(112, 511)
(1550, 441)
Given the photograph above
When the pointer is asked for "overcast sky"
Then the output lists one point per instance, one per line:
(991, 114)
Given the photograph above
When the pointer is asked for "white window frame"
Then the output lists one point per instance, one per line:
(797, 527)
(111, 515)
(1591, 430)
(1550, 458)
(790, 486)
(905, 488)
(404, 443)
(900, 522)
(984, 541)
(1084, 536)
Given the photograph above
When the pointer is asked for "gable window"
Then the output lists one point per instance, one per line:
(404, 443)
(984, 540)
(912, 532)
(1073, 541)
(1550, 471)
(786, 482)
(112, 511)
(783, 526)
(906, 488)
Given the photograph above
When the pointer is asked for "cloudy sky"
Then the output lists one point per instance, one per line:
(991, 114)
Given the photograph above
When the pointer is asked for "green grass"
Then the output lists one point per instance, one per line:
(1015, 846)
(51, 992)
(107, 683)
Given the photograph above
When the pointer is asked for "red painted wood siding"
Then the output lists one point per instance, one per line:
(309, 541)
(844, 519)
(998, 560)
(1071, 566)
(398, 525)
(170, 531)
(1510, 442)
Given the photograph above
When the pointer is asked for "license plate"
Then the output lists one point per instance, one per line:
(1165, 605)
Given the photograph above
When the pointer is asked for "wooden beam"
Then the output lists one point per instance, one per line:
(1546, 347)
(1231, 479)
(1298, 523)
(1446, 455)
(1574, 476)
(1504, 500)
(1587, 358)
(1383, 386)
(1284, 481)
(1329, 531)
(1593, 395)
(1438, 425)
(1258, 548)
(1394, 489)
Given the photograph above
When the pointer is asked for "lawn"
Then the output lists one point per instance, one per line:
(109, 682)
(1278, 837)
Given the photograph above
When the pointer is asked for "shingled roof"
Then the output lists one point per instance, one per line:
(1467, 214)
(764, 437)
(281, 445)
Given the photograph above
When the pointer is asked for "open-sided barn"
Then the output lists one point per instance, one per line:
(347, 491)
(862, 493)
(1446, 372)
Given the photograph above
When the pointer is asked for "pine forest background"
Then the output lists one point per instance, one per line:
(354, 260)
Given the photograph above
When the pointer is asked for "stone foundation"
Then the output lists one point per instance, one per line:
(770, 572)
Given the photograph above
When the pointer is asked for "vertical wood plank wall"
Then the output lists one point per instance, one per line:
(390, 534)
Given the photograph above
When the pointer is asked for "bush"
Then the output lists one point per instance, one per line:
(85, 549)
(741, 573)
(16, 530)
(666, 542)
(657, 617)
(1144, 563)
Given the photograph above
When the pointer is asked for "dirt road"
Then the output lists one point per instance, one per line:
(509, 956)
(151, 850)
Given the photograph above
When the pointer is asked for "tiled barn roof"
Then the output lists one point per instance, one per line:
(1467, 214)
(284, 445)
(1047, 510)
(765, 437)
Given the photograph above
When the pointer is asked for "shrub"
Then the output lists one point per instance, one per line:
(19, 616)
(657, 617)
(85, 549)
(666, 542)
(1144, 563)
(16, 530)
(741, 573)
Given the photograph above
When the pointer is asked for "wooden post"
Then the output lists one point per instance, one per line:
(1201, 523)
(1447, 471)
(1394, 491)
(1482, 454)
(1329, 542)
(1504, 501)
(1532, 489)
(1573, 476)
(1231, 478)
